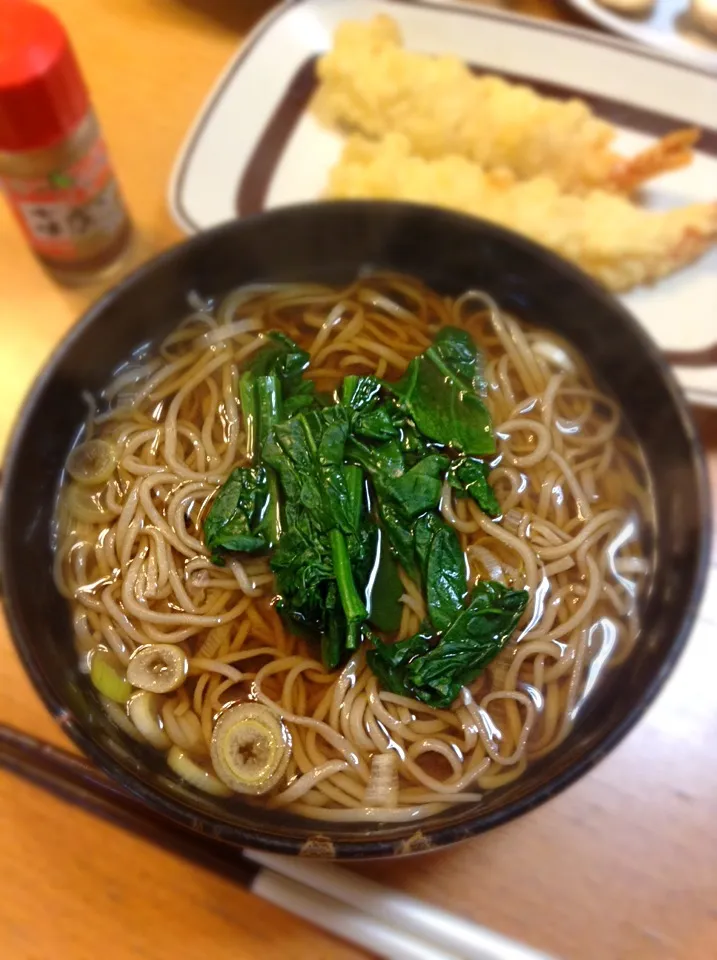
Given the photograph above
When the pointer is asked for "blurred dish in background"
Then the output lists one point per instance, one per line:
(426, 129)
(372, 84)
(251, 151)
(677, 27)
(704, 13)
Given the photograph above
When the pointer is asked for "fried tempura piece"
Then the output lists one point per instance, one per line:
(620, 244)
(370, 84)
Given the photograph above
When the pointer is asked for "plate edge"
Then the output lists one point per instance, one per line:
(183, 157)
(174, 190)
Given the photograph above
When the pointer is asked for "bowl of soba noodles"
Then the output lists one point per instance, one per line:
(352, 530)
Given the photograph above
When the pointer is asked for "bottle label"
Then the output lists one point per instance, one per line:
(72, 213)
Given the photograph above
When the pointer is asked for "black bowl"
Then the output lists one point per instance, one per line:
(331, 242)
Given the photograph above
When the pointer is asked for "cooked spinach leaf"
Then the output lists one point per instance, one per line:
(443, 569)
(384, 589)
(384, 461)
(390, 661)
(360, 394)
(373, 417)
(279, 356)
(470, 478)
(249, 411)
(268, 405)
(399, 534)
(324, 527)
(418, 490)
(333, 636)
(346, 488)
(412, 491)
(475, 637)
(353, 606)
(317, 593)
(303, 567)
(454, 349)
(282, 358)
(245, 515)
(442, 399)
(436, 673)
(234, 522)
(301, 397)
(413, 444)
(307, 452)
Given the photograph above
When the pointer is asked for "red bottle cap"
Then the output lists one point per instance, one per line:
(42, 94)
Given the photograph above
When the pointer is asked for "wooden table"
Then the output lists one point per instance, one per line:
(622, 865)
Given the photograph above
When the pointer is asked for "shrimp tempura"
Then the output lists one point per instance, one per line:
(618, 243)
(370, 84)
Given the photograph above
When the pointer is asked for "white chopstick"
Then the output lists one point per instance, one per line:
(343, 920)
(399, 911)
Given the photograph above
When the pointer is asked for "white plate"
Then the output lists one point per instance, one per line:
(255, 145)
(667, 25)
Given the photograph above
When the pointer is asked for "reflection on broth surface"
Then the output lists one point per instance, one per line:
(182, 596)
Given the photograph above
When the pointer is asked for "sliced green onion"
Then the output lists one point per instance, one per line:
(250, 748)
(157, 667)
(118, 716)
(108, 677)
(382, 787)
(92, 462)
(85, 503)
(143, 710)
(197, 776)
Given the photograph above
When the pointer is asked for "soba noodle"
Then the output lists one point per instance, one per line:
(131, 561)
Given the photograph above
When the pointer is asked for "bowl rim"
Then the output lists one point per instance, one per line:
(426, 837)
